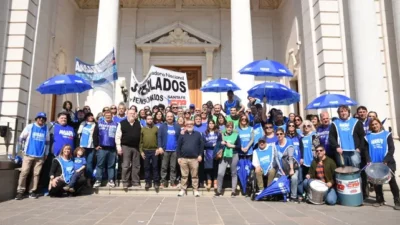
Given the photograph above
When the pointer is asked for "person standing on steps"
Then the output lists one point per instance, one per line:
(168, 135)
(106, 153)
(189, 151)
(149, 152)
(35, 137)
(127, 139)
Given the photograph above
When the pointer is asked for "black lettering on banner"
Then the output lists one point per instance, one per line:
(183, 87)
(167, 85)
(158, 84)
(175, 86)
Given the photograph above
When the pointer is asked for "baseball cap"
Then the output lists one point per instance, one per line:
(192, 106)
(262, 140)
(41, 114)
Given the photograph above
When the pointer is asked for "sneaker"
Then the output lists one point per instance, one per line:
(33, 195)
(181, 193)
(259, 192)
(196, 193)
(125, 185)
(377, 204)
(217, 194)
(97, 184)
(66, 188)
(111, 184)
(72, 190)
(157, 186)
(148, 185)
(233, 194)
(19, 196)
(397, 206)
(173, 185)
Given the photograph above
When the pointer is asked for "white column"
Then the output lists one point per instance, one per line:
(242, 45)
(396, 20)
(146, 60)
(367, 64)
(106, 40)
(209, 61)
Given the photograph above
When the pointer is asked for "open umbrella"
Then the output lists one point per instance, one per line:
(243, 172)
(330, 101)
(64, 84)
(281, 186)
(276, 93)
(219, 85)
(266, 68)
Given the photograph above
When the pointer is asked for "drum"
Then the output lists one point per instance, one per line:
(348, 186)
(317, 191)
(378, 173)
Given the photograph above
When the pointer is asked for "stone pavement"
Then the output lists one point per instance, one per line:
(129, 210)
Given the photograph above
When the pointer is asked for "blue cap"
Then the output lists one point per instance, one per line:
(41, 114)
(192, 106)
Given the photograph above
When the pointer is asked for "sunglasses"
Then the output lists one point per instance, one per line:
(174, 107)
(291, 126)
(279, 134)
(319, 150)
(113, 108)
(41, 118)
(309, 126)
(243, 119)
(298, 119)
(268, 127)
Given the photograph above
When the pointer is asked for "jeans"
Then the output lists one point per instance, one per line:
(74, 178)
(303, 171)
(330, 195)
(294, 182)
(192, 166)
(169, 160)
(222, 168)
(105, 159)
(130, 164)
(151, 164)
(350, 158)
(89, 153)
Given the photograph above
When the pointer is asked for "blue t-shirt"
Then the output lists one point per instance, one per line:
(79, 162)
(171, 139)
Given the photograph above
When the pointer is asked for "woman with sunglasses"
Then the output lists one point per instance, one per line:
(231, 147)
(212, 140)
(285, 150)
(310, 141)
(381, 148)
(246, 135)
(187, 115)
(221, 122)
(295, 138)
(269, 136)
(158, 119)
(298, 121)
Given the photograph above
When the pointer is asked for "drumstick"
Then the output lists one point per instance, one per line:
(341, 158)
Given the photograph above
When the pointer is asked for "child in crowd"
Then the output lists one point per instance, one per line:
(79, 168)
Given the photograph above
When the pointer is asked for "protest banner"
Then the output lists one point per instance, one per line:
(159, 86)
(100, 73)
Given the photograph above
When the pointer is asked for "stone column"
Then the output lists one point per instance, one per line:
(367, 64)
(146, 60)
(106, 40)
(242, 45)
(209, 61)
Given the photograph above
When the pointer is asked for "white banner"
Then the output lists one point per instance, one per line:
(160, 86)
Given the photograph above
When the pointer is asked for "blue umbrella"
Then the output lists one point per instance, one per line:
(266, 68)
(330, 101)
(243, 172)
(219, 85)
(277, 187)
(64, 84)
(276, 93)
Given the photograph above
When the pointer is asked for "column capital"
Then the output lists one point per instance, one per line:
(209, 49)
(146, 49)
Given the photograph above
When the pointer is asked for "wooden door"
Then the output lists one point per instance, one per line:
(193, 74)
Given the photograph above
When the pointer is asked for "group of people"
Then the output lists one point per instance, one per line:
(201, 143)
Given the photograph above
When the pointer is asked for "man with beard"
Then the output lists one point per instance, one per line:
(323, 133)
(168, 135)
(120, 114)
(233, 117)
(217, 112)
(189, 151)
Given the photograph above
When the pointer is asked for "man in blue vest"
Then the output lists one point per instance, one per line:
(323, 133)
(35, 138)
(106, 152)
(346, 136)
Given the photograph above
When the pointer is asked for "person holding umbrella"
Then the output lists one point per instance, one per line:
(232, 103)
(35, 138)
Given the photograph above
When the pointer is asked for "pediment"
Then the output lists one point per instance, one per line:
(177, 34)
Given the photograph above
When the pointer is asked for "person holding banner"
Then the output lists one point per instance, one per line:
(168, 135)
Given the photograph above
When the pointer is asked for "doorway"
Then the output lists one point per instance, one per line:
(193, 74)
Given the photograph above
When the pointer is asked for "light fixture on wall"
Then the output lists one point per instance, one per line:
(124, 90)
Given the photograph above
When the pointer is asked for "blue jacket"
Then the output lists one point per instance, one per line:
(163, 134)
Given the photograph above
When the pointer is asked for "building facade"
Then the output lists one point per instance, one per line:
(332, 46)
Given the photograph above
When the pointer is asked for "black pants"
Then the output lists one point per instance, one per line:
(151, 166)
(58, 191)
(44, 178)
(393, 188)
